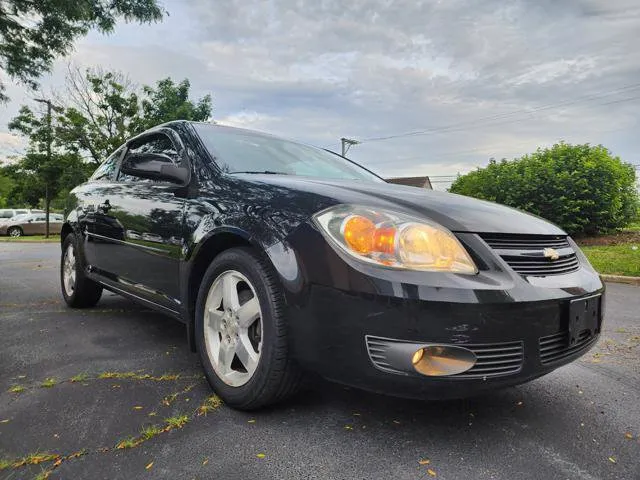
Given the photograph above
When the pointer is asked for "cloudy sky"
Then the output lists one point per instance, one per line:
(467, 80)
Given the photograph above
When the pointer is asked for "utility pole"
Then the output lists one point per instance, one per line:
(47, 200)
(346, 145)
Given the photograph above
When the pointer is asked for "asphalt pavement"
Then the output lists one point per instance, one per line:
(131, 368)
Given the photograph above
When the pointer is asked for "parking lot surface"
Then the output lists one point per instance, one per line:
(81, 385)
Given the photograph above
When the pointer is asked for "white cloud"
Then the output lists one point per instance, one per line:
(482, 79)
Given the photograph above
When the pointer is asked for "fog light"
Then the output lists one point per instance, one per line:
(442, 360)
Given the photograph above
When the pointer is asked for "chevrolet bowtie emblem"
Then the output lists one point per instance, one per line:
(551, 253)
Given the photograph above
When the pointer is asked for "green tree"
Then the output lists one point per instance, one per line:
(100, 112)
(102, 109)
(34, 33)
(582, 188)
(170, 101)
(43, 171)
(6, 186)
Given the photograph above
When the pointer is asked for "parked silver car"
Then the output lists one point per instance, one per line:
(31, 224)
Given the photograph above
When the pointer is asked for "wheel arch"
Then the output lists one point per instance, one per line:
(207, 249)
(66, 230)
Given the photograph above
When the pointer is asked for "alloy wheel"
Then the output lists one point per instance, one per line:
(69, 270)
(15, 232)
(233, 328)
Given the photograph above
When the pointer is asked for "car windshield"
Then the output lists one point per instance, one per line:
(239, 151)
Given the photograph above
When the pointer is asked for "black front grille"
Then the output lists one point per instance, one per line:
(554, 348)
(493, 359)
(525, 253)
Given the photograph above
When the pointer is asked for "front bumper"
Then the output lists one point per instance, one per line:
(514, 342)
(342, 312)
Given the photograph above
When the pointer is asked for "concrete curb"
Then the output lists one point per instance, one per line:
(621, 279)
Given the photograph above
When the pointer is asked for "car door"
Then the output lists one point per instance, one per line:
(89, 199)
(136, 221)
(35, 224)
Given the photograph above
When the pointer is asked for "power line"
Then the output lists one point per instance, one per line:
(455, 127)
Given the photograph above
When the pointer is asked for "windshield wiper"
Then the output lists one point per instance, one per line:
(267, 172)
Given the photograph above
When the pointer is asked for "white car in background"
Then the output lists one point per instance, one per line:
(7, 214)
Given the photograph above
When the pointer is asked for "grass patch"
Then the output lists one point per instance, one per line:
(209, 405)
(151, 431)
(614, 259)
(129, 442)
(35, 459)
(139, 376)
(81, 377)
(4, 463)
(17, 389)
(43, 475)
(177, 421)
(49, 382)
(31, 239)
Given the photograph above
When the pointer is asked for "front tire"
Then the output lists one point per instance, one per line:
(241, 332)
(15, 232)
(77, 290)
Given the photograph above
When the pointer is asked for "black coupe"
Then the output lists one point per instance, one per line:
(283, 258)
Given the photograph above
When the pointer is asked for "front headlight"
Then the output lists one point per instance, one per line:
(394, 239)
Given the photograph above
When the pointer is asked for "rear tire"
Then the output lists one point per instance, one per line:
(246, 371)
(77, 290)
(15, 232)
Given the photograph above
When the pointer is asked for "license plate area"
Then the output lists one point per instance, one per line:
(584, 314)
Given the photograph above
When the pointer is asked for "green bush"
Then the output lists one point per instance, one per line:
(581, 188)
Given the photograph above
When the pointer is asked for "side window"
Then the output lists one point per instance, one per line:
(40, 218)
(156, 143)
(6, 214)
(106, 171)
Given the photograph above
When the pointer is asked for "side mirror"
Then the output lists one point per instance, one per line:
(154, 166)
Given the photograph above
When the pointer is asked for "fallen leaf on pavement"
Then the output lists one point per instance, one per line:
(431, 472)
(137, 407)
(148, 467)
(57, 462)
(260, 455)
(628, 436)
(424, 462)
(253, 420)
(205, 461)
(348, 427)
(613, 460)
(6, 420)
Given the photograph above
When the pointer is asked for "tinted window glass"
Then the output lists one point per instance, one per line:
(6, 214)
(237, 151)
(158, 143)
(20, 212)
(41, 218)
(106, 171)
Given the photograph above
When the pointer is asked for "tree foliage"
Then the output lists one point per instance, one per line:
(34, 33)
(582, 188)
(37, 175)
(97, 112)
(170, 101)
(102, 109)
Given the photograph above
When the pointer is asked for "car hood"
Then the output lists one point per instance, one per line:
(455, 212)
